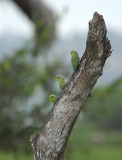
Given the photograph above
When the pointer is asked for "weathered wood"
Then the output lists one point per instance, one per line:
(50, 143)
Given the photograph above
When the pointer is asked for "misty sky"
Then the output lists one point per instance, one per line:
(80, 12)
(76, 18)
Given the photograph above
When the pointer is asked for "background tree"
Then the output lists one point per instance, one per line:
(39, 14)
(23, 77)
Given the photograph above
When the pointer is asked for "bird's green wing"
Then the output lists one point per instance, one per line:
(75, 61)
(62, 84)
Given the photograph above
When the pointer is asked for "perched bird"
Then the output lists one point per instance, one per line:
(61, 81)
(52, 98)
(75, 60)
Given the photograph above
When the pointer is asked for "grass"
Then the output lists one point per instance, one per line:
(94, 153)
(85, 143)
(15, 156)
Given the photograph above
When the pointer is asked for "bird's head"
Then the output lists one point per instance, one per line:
(52, 97)
(59, 77)
(73, 52)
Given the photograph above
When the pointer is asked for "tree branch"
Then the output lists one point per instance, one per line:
(37, 11)
(50, 143)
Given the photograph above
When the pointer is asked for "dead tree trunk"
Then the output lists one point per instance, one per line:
(50, 143)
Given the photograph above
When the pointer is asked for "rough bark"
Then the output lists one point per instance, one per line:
(50, 142)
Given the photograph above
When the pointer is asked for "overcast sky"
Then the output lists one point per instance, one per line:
(12, 20)
(75, 19)
(80, 12)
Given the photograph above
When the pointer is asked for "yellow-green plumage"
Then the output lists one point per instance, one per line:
(61, 81)
(75, 60)
(52, 98)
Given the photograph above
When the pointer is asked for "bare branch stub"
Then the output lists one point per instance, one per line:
(50, 143)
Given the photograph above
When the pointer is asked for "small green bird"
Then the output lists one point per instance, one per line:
(52, 98)
(75, 60)
(61, 81)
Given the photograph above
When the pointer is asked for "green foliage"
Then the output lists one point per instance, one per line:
(105, 106)
(45, 33)
(88, 143)
(22, 78)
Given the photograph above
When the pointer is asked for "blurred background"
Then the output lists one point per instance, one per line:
(36, 38)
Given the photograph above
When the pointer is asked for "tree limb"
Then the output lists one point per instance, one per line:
(50, 143)
(37, 11)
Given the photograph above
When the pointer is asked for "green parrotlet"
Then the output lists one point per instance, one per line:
(61, 81)
(52, 98)
(75, 60)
